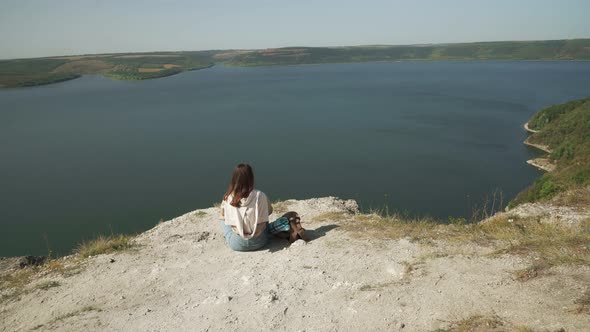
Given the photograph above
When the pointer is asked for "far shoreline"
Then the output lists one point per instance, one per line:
(269, 65)
(105, 76)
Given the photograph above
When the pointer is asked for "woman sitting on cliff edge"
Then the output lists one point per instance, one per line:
(245, 211)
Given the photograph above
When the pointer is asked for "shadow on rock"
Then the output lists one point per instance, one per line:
(320, 231)
(276, 244)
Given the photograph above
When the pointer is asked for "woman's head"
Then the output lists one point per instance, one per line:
(241, 185)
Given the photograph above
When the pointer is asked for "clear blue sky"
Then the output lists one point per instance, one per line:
(57, 27)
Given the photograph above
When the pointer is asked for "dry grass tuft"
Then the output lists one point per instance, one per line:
(548, 244)
(331, 216)
(59, 266)
(66, 316)
(573, 198)
(17, 283)
(393, 227)
(530, 272)
(281, 207)
(104, 245)
(45, 285)
(583, 304)
(476, 323)
(523, 329)
(378, 286)
(12, 285)
(75, 313)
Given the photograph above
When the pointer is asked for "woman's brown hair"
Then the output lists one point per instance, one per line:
(241, 185)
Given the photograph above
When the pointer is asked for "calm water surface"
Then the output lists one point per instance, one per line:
(94, 156)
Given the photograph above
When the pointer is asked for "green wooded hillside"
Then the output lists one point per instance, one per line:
(578, 49)
(565, 129)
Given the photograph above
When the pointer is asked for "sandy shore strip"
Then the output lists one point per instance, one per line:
(541, 147)
(526, 127)
(543, 164)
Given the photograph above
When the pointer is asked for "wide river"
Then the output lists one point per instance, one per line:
(95, 156)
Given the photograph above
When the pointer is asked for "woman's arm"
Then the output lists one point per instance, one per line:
(269, 206)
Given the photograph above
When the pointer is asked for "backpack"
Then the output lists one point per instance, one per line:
(296, 231)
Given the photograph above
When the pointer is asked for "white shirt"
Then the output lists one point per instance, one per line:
(253, 210)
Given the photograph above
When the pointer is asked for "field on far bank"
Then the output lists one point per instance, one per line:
(32, 72)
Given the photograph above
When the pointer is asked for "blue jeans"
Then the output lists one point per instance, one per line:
(238, 243)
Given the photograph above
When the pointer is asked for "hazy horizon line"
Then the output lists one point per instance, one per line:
(294, 46)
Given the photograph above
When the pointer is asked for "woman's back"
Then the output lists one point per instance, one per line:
(249, 214)
(245, 212)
